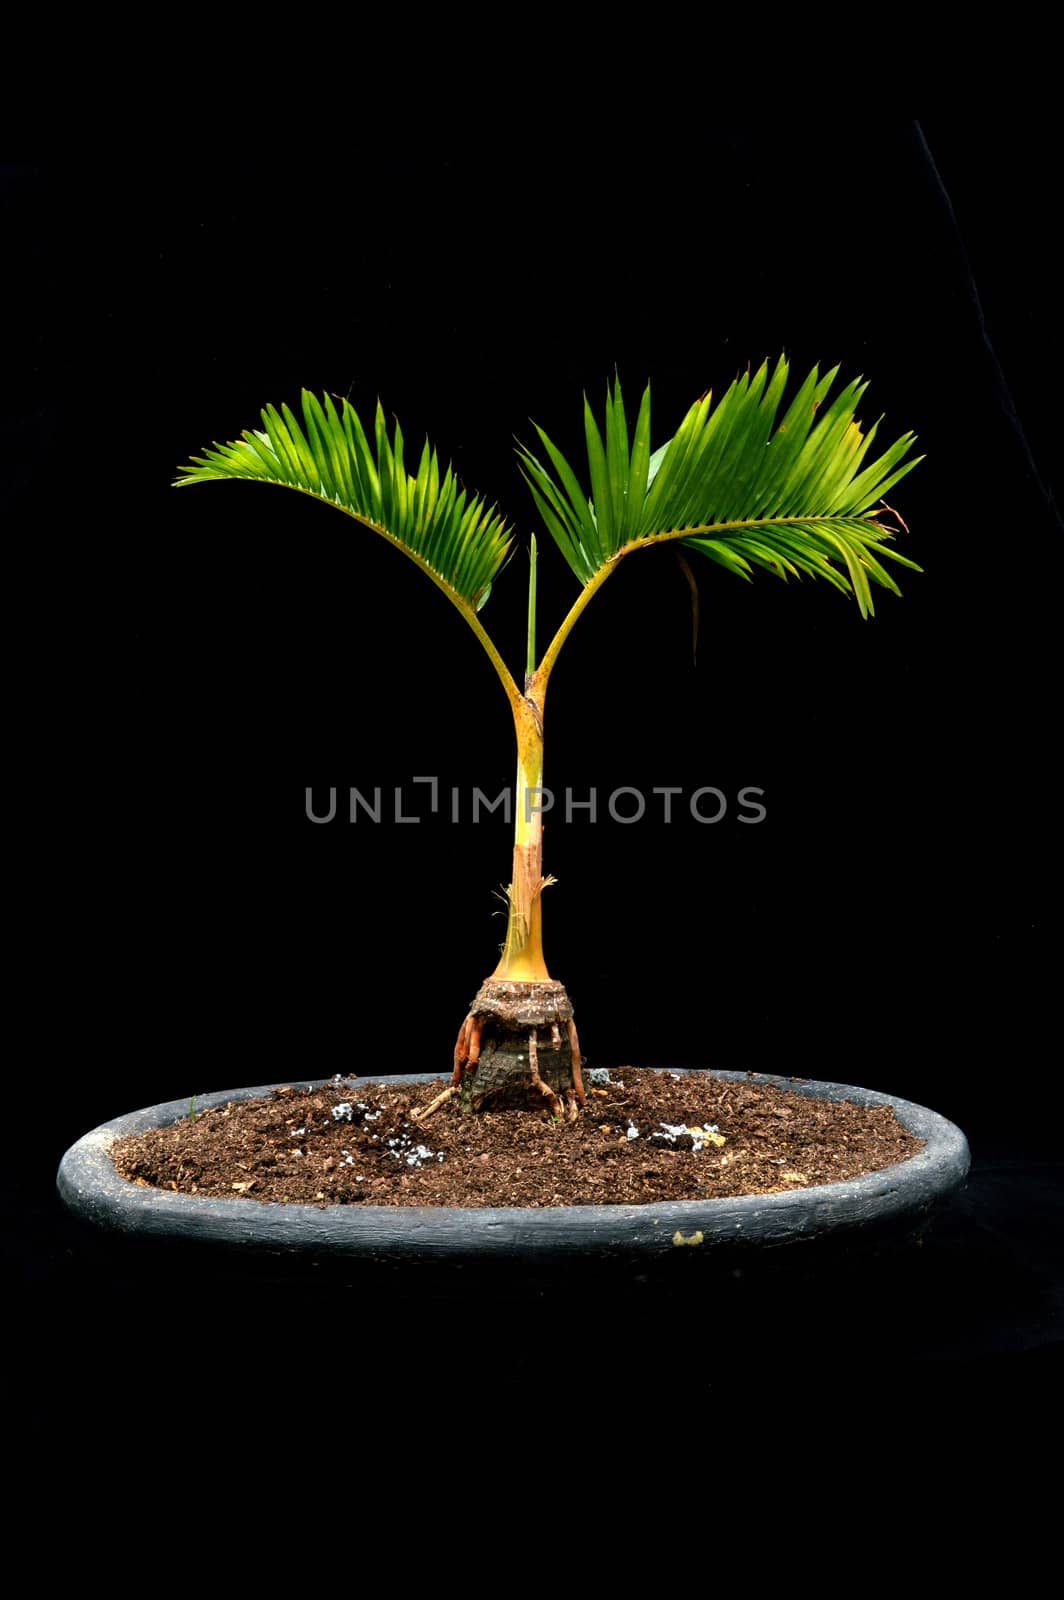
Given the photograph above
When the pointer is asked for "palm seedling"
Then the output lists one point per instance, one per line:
(746, 483)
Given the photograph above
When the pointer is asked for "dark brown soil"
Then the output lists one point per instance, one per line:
(353, 1143)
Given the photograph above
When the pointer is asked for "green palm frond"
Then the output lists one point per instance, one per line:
(793, 496)
(455, 537)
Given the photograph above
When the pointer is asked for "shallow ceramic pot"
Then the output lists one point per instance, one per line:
(854, 1214)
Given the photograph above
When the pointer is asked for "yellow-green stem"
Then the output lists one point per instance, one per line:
(522, 955)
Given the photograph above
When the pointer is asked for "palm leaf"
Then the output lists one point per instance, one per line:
(746, 490)
(456, 538)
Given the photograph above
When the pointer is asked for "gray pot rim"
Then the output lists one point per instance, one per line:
(91, 1187)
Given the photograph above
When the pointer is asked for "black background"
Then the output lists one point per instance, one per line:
(194, 661)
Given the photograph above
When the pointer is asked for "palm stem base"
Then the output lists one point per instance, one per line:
(518, 1050)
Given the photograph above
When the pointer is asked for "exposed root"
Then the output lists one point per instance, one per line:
(461, 1051)
(467, 1049)
(574, 1051)
(544, 1088)
(426, 1111)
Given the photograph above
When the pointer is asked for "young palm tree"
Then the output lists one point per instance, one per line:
(734, 484)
